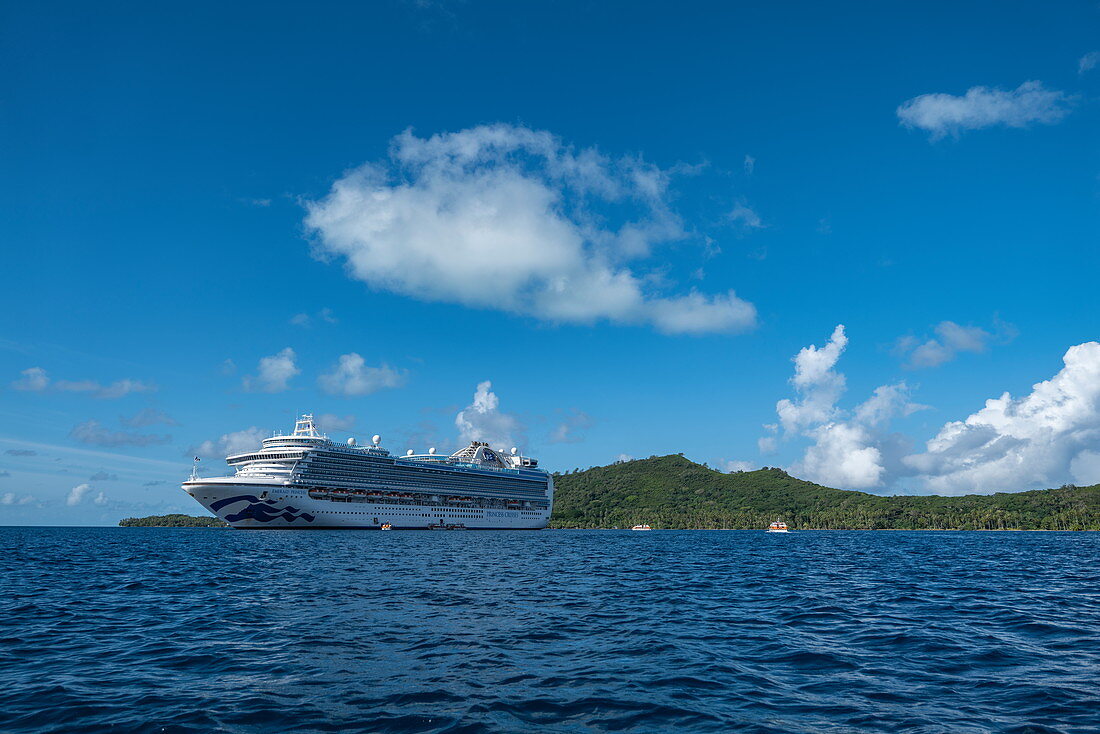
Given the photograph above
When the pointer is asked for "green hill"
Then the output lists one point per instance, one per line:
(674, 492)
(172, 521)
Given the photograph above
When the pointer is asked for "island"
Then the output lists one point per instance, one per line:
(675, 492)
(173, 521)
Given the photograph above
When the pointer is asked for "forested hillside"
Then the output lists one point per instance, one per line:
(674, 492)
(173, 521)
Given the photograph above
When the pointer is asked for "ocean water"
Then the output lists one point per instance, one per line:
(187, 630)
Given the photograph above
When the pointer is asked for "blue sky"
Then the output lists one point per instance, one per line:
(642, 224)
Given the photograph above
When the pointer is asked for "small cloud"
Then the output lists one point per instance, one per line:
(228, 367)
(148, 417)
(733, 466)
(230, 443)
(745, 216)
(351, 377)
(1088, 62)
(76, 494)
(483, 420)
(121, 388)
(950, 339)
(331, 422)
(750, 164)
(154, 484)
(102, 476)
(304, 319)
(981, 107)
(624, 457)
(21, 452)
(10, 498)
(5, 473)
(275, 373)
(93, 433)
(567, 430)
(823, 226)
(100, 499)
(34, 379)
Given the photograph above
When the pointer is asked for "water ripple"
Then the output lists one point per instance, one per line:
(180, 630)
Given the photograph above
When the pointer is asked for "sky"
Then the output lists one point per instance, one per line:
(857, 241)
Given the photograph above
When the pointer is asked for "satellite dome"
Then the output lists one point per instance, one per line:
(409, 452)
(376, 440)
(432, 451)
(351, 441)
(514, 451)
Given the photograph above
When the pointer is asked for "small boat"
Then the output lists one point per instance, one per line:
(386, 526)
(641, 527)
(778, 527)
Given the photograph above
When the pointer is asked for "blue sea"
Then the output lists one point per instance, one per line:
(189, 630)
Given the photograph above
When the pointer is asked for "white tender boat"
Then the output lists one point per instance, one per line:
(778, 527)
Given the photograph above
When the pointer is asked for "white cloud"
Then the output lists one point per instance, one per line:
(275, 373)
(842, 455)
(568, 430)
(76, 494)
(1085, 468)
(100, 499)
(1088, 62)
(351, 377)
(746, 216)
(121, 388)
(1039, 440)
(819, 386)
(950, 340)
(147, 417)
(236, 442)
(482, 420)
(35, 379)
(11, 498)
(733, 465)
(501, 217)
(851, 450)
(1044, 439)
(96, 434)
(624, 457)
(332, 422)
(304, 319)
(750, 164)
(943, 114)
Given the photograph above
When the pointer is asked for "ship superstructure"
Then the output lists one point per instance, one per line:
(307, 480)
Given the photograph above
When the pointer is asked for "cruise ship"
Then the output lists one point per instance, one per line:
(306, 480)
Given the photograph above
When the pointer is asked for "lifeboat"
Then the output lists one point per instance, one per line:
(778, 527)
(386, 526)
(641, 527)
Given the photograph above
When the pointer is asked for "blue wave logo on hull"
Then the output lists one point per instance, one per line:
(260, 510)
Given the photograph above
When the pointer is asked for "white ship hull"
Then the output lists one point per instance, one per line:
(247, 503)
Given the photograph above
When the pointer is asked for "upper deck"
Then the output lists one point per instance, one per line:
(289, 456)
